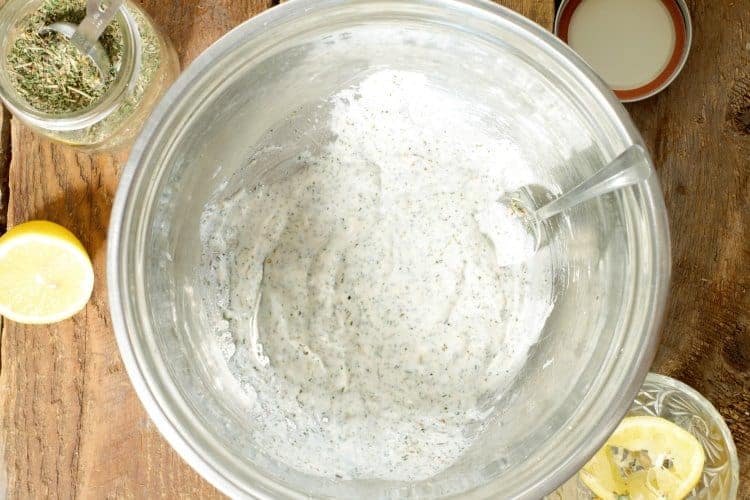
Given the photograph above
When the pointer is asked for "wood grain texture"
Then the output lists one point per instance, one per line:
(4, 164)
(539, 11)
(72, 427)
(699, 133)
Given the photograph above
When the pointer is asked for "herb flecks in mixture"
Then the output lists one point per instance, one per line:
(48, 72)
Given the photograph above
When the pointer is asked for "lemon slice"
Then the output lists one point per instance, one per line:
(647, 458)
(45, 273)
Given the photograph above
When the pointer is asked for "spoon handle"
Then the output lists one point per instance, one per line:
(631, 167)
(99, 13)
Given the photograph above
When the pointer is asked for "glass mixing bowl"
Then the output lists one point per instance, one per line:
(275, 72)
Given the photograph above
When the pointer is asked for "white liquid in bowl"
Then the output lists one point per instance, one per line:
(359, 299)
(629, 43)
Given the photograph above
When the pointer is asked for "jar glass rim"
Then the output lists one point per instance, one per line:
(123, 84)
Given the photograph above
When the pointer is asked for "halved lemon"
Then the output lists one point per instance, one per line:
(647, 458)
(45, 273)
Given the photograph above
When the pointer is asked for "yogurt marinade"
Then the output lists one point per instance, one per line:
(359, 301)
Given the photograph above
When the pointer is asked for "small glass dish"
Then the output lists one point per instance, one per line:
(679, 403)
(148, 67)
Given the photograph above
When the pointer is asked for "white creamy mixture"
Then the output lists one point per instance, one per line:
(627, 43)
(359, 301)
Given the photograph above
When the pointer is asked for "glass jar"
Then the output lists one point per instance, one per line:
(147, 68)
(665, 397)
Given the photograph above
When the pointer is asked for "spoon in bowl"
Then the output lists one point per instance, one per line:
(85, 36)
(629, 168)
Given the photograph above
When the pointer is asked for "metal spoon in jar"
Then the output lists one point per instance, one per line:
(85, 36)
(629, 168)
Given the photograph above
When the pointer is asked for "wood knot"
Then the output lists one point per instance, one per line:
(741, 120)
(739, 106)
(736, 350)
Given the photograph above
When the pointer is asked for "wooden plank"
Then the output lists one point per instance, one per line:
(699, 133)
(71, 423)
(4, 164)
(541, 12)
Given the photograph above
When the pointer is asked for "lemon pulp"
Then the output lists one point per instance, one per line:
(647, 458)
(45, 273)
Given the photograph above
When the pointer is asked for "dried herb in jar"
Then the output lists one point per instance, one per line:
(48, 71)
(143, 90)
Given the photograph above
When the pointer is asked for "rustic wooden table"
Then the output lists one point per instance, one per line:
(72, 425)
